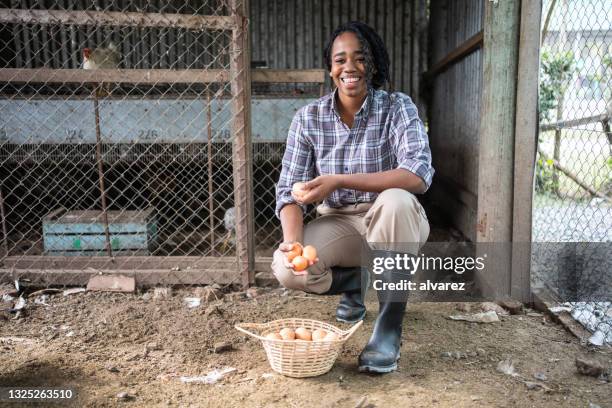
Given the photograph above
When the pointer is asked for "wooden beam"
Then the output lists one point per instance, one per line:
(154, 76)
(151, 277)
(469, 46)
(316, 76)
(574, 122)
(116, 18)
(242, 162)
(525, 141)
(103, 263)
(124, 76)
(496, 147)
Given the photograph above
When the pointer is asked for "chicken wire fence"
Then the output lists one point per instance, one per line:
(572, 207)
(122, 137)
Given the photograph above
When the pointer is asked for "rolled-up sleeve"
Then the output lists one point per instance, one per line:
(410, 141)
(297, 165)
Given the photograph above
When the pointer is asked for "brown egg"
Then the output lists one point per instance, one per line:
(296, 250)
(298, 189)
(331, 336)
(287, 334)
(274, 336)
(318, 335)
(303, 333)
(299, 263)
(309, 252)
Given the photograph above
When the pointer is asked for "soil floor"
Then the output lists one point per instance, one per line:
(103, 344)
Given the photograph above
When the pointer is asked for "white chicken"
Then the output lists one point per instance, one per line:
(101, 58)
(229, 222)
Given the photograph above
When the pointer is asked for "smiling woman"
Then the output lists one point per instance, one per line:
(364, 153)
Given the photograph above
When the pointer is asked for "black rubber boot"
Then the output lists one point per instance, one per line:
(382, 352)
(347, 281)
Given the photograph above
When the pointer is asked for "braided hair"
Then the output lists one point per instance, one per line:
(374, 52)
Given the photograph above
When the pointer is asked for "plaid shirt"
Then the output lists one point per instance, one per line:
(387, 134)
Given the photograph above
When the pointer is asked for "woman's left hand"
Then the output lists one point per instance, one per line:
(318, 189)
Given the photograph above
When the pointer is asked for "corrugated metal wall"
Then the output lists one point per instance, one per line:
(60, 46)
(454, 111)
(292, 34)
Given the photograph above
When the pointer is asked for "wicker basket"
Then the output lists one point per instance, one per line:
(299, 358)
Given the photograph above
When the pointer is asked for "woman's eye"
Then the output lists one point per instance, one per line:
(339, 61)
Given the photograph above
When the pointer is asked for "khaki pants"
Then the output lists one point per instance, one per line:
(341, 234)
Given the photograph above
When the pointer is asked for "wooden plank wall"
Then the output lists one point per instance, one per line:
(293, 34)
(454, 112)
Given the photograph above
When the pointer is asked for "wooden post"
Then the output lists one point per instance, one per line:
(496, 150)
(525, 143)
(109, 250)
(240, 83)
(211, 205)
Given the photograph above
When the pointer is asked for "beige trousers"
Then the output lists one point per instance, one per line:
(394, 221)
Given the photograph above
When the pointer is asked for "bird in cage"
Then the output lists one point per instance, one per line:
(229, 222)
(102, 58)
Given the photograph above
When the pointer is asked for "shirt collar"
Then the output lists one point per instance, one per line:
(365, 107)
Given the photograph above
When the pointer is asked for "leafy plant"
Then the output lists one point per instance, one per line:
(556, 72)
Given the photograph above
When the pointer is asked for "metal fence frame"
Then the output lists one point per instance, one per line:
(152, 270)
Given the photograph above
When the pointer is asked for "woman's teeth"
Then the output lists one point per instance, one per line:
(349, 80)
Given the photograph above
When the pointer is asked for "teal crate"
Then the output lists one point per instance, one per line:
(81, 233)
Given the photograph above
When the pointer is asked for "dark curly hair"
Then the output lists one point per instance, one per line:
(374, 51)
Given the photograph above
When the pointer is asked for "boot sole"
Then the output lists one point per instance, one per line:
(361, 317)
(379, 369)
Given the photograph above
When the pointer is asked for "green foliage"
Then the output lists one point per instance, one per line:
(556, 72)
(544, 180)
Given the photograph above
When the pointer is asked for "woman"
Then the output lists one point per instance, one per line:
(364, 152)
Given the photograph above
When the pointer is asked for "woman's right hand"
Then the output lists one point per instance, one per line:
(285, 248)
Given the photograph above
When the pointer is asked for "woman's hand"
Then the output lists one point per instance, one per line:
(317, 189)
(286, 247)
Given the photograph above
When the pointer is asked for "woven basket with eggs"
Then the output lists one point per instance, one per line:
(298, 357)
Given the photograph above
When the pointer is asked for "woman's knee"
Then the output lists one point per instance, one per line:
(397, 200)
(285, 276)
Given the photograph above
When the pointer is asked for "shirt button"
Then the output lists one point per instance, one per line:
(346, 169)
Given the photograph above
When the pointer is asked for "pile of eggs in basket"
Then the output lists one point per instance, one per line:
(303, 334)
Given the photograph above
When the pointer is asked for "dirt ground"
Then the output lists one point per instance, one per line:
(103, 344)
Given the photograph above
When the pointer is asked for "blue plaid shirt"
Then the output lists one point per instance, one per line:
(387, 134)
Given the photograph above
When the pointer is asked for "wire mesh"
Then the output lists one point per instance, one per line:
(572, 208)
(274, 105)
(136, 172)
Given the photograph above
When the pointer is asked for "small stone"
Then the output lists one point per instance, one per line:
(481, 351)
(253, 292)
(446, 354)
(589, 367)
(532, 385)
(123, 396)
(162, 293)
(513, 306)
(472, 354)
(540, 376)
(222, 346)
(111, 368)
(147, 296)
(475, 398)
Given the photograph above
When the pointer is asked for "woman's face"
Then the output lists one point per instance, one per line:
(348, 69)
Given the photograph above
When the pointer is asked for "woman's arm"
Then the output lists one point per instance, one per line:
(322, 186)
(378, 182)
(292, 221)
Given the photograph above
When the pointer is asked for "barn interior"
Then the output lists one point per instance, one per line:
(169, 146)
